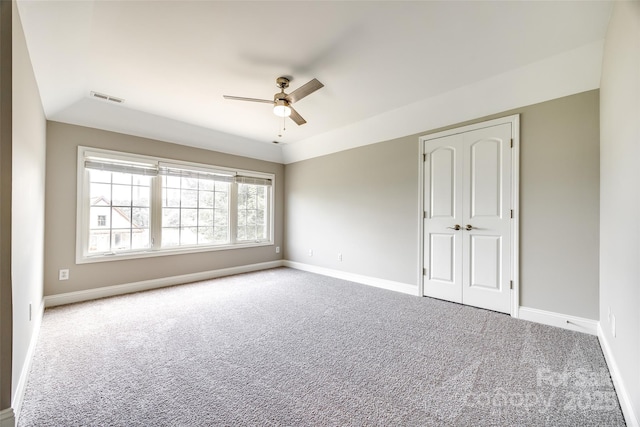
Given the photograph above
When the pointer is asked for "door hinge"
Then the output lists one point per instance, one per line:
(424, 157)
(511, 213)
(511, 142)
(510, 284)
(424, 214)
(424, 271)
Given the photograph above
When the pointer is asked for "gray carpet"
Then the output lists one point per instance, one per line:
(289, 348)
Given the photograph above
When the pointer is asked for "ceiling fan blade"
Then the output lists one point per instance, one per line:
(240, 98)
(304, 90)
(296, 117)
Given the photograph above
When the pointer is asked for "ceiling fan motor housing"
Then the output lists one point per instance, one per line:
(280, 96)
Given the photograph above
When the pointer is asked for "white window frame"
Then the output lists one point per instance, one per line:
(156, 249)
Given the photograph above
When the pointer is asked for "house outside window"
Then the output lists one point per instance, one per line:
(123, 199)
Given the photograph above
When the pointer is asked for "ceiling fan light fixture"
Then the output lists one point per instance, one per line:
(282, 109)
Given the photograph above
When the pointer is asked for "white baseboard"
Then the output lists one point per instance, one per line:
(17, 399)
(352, 277)
(109, 291)
(7, 419)
(618, 381)
(564, 321)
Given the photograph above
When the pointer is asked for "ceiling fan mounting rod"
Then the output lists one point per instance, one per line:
(282, 83)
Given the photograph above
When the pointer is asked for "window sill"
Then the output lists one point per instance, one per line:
(80, 259)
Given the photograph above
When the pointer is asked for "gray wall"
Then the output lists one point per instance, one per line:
(559, 199)
(364, 204)
(620, 197)
(60, 219)
(27, 244)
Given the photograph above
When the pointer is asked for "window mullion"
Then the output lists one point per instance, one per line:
(268, 220)
(86, 212)
(111, 214)
(131, 212)
(155, 223)
(233, 213)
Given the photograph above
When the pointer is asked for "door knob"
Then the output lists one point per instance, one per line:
(469, 227)
(456, 227)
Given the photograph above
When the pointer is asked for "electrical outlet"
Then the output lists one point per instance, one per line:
(277, 249)
(340, 257)
(310, 252)
(63, 274)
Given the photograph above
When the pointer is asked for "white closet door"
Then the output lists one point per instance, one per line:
(468, 183)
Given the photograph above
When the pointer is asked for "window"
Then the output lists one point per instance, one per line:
(251, 212)
(136, 206)
(195, 210)
(119, 203)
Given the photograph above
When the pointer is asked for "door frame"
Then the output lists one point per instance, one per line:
(514, 120)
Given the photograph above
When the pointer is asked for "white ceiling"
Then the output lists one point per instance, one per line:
(171, 61)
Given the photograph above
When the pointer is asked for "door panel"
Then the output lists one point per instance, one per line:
(468, 182)
(485, 163)
(485, 259)
(442, 262)
(443, 183)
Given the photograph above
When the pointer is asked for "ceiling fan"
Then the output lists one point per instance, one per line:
(282, 101)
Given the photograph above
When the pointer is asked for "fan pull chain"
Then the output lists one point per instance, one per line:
(284, 127)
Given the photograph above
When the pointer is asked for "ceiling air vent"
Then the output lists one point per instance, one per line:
(106, 97)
